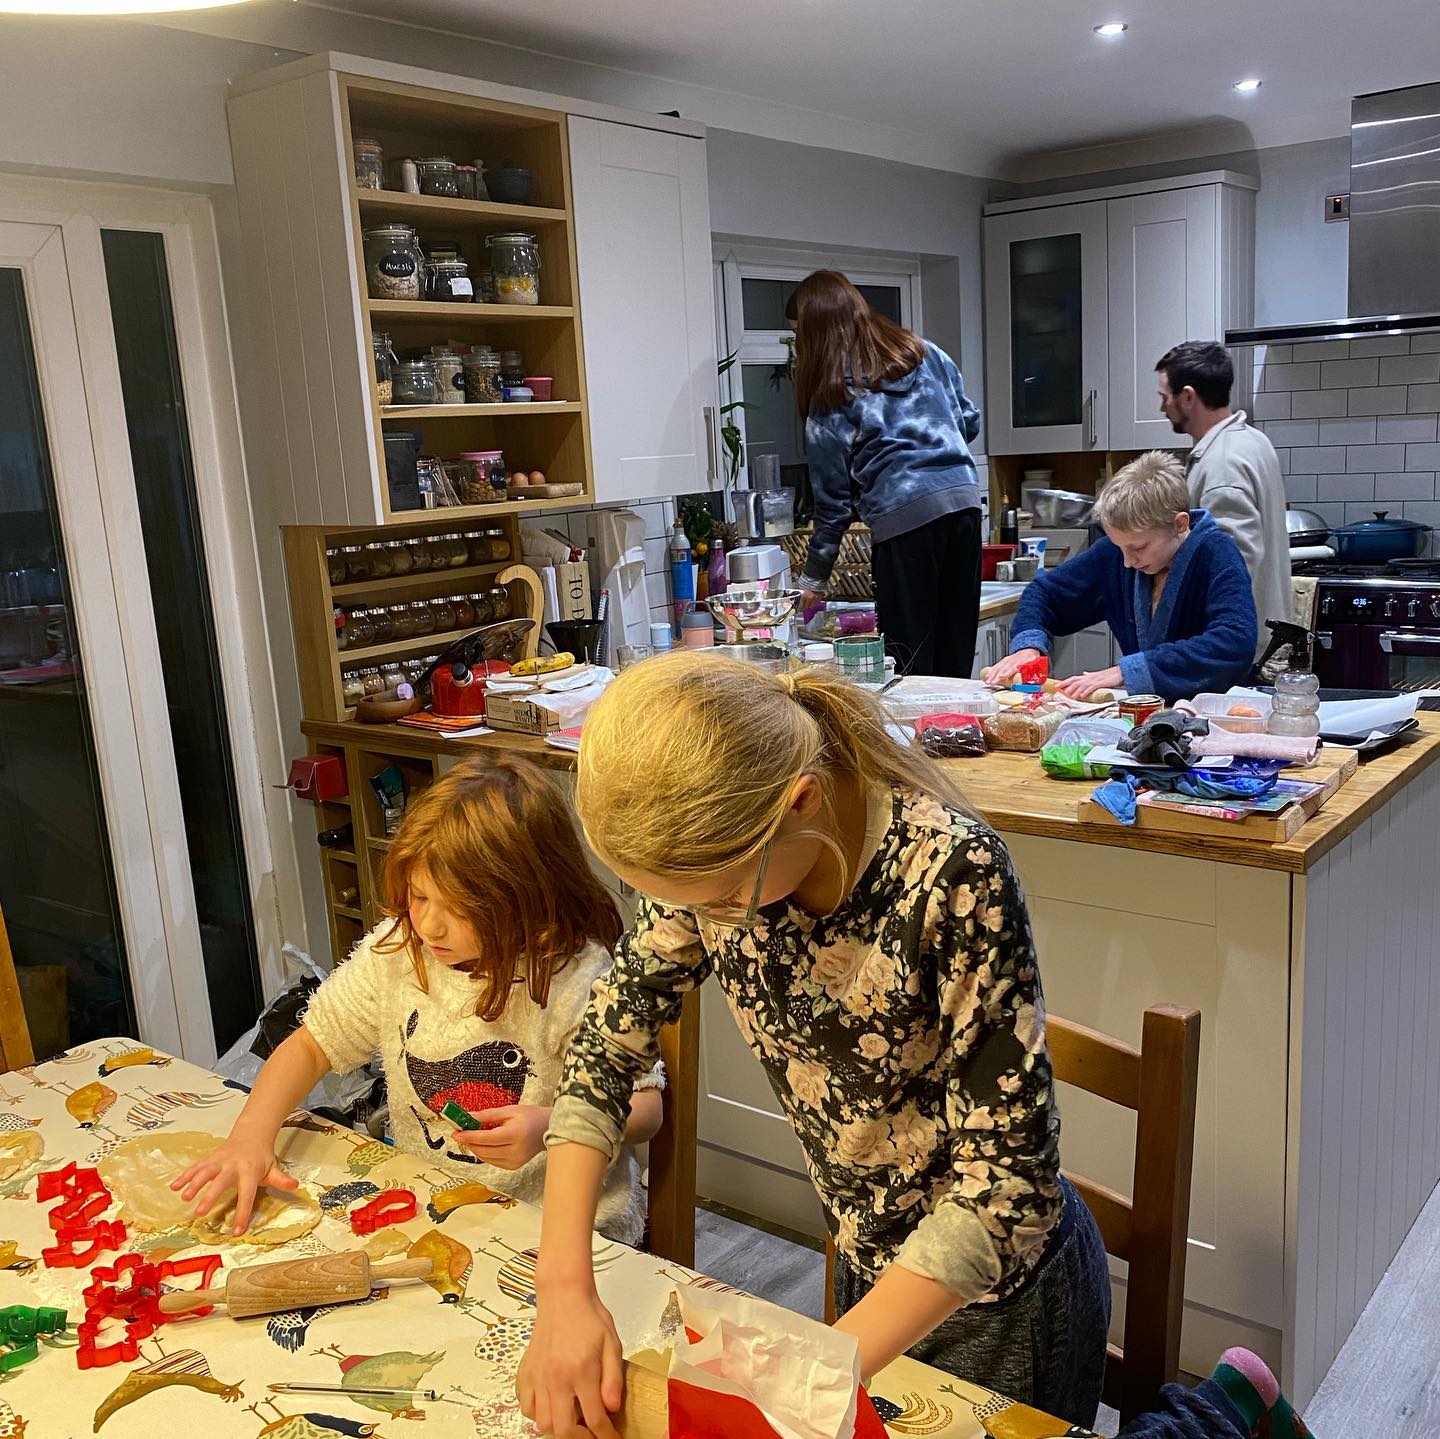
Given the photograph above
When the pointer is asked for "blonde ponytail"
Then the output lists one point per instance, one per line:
(688, 762)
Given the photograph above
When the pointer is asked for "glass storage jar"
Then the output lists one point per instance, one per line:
(477, 547)
(394, 264)
(443, 608)
(392, 677)
(483, 467)
(457, 552)
(357, 564)
(404, 619)
(385, 363)
(499, 545)
(464, 612)
(500, 606)
(382, 622)
(420, 556)
(369, 164)
(512, 369)
(374, 685)
(359, 630)
(401, 560)
(335, 566)
(382, 562)
(448, 281)
(352, 687)
(424, 617)
(515, 264)
(449, 377)
(414, 383)
(481, 601)
(438, 177)
(482, 378)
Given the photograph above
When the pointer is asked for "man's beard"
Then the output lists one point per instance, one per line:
(1177, 425)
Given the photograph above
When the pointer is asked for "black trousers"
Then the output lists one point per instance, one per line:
(927, 595)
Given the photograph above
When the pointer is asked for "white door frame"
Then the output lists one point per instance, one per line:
(170, 988)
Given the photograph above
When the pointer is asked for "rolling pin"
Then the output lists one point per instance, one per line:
(645, 1414)
(296, 1284)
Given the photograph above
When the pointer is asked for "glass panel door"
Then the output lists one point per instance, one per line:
(1046, 384)
(57, 885)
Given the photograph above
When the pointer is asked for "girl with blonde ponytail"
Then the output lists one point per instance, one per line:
(873, 944)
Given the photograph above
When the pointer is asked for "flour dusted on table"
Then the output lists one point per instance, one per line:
(434, 1049)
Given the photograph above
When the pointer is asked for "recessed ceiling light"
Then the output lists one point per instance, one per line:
(1247, 86)
(1111, 30)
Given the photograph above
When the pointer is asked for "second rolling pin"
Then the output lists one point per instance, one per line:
(296, 1284)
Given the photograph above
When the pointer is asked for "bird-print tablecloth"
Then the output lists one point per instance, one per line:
(461, 1334)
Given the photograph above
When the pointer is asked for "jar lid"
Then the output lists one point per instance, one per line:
(511, 237)
(457, 262)
(364, 142)
(390, 230)
(435, 160)
(350, 549)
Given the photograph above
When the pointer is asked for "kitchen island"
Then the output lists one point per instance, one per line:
(1311, 961)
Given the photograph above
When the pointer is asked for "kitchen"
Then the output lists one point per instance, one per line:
(1219, 230)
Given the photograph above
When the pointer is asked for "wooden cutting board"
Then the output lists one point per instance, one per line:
(1332, 768)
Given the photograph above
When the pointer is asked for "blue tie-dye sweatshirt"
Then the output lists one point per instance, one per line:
(898, 456)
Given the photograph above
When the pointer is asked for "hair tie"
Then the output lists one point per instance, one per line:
(787, 680)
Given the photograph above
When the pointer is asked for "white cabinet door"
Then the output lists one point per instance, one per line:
(1164, 288)
(1045, 317)
(642, 238)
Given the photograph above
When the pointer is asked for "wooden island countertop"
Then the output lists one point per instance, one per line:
(1015, 797)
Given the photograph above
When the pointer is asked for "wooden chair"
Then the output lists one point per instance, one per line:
(670, 1221)
(15, 1047)
(1159, 1082)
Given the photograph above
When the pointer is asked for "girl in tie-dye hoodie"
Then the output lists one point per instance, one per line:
(888, 428)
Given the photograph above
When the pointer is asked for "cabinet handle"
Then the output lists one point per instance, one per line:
(1090, 397)
(711, 473)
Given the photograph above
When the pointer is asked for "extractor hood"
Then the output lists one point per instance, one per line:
(1394, 222)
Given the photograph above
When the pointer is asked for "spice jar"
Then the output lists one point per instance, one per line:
(443, 608)
(403, 618)
(481, 602)
(359, 630)
(464, 612)
(335, 566)
(369, 164)
(357, 564)
(420, 558)
(482, 378)
(382, 622)
(392, 677)
(352, 687)
(500, 606)
(401, 560)
(515, 263)
(374, 685)
(478, 547)
(382, 562)
(457, 552)
(424, 617)
(414, 383)
(394, 263)
(499, 545)
(385, 363)
(449, 377)
(438, 177)
(448, 280)
(512, 369)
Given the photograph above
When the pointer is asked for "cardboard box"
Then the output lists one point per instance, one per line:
(517, 715)
(572, 583)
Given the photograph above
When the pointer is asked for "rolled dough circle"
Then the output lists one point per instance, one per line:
(139, 1173)
(18, 1150)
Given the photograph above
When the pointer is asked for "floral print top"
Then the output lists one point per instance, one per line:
(904, 1035)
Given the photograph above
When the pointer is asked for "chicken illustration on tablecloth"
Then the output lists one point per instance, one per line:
(309, 1425)
(398, 1369)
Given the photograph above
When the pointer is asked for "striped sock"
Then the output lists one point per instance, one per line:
(1249, 1385)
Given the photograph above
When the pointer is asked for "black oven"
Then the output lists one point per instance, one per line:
(1372, 636)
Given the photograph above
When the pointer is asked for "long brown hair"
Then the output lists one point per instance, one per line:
(499, 845)
(841, 344)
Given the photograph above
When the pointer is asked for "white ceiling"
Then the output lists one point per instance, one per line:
(986, 81)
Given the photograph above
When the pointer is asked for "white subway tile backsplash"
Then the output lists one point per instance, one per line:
(1412, 429)
(1292, 377)
(1331, 511)
(1380, 345)
(1425, 344)
(1424, 399)
(1378, 400)
(1275, 404)
(1291, 432)
(1374, 458)
(1283, 455)
(1345, 374)
(1322, 350)
(657, 558)
(1346, 487)
(1346, 432)
(1272, 354)
(657, 587)
(1317, 404)
(1317, 459)
(1426, 511)
(1422, 457)
(1300, 488)
(1410, 369)
(653, 513)
(1405, 486)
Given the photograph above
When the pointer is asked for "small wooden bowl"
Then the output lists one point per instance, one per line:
(385, 711)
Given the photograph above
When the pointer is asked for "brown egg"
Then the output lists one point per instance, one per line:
(519, 478)
(537, 477)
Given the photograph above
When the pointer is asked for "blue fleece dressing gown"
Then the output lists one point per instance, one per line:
(1201, 636)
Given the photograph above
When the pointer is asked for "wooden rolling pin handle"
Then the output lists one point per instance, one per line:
(645, 1413)
(417, 1268)
(184, 1300)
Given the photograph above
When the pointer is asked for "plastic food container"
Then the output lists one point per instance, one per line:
(1213, 708)
(541, 386)
(914, 698)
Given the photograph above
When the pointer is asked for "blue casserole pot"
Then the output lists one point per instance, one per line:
(1372, 542)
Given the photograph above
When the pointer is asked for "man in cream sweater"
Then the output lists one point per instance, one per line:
(1233, 470)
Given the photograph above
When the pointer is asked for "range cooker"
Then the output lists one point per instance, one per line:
(1377, 626)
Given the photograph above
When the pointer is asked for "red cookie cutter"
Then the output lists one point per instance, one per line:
(68, 1182)
(393, 1206)
(83, 1209)
(100, 1236)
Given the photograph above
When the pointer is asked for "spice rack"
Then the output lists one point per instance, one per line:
(315, 313)
(314, 598)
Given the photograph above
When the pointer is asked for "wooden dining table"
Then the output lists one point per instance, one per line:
(460, 1334)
